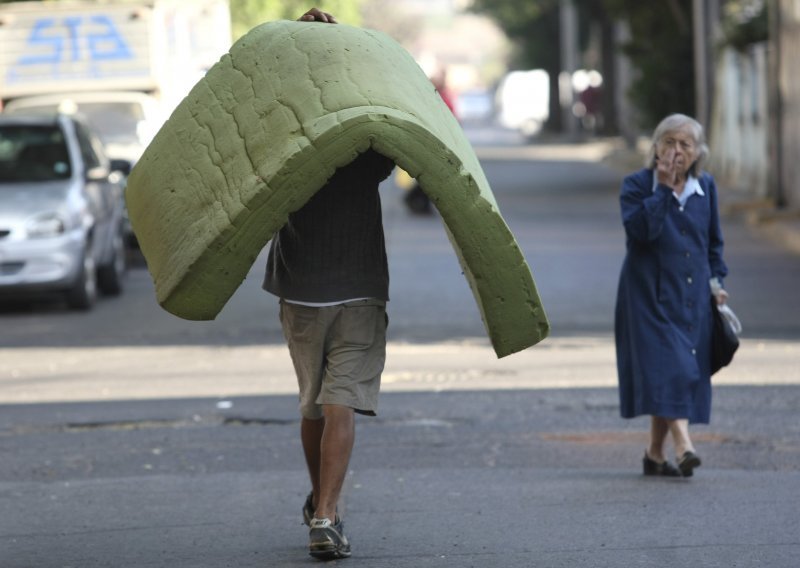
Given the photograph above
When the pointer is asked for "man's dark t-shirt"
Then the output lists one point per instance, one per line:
(333, 248)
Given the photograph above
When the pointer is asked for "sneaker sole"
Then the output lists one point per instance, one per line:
(329, 554)
(327, 541)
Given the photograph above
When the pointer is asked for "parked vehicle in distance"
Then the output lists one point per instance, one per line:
(61, 211)
(523, 99)
(475, 106)
(122, 65)
(124, 121)
(155, 47)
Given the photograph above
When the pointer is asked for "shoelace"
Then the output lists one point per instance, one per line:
(321, 524)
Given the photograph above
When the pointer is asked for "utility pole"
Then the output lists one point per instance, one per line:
(623, 75)
(777, 188)
(568, 18)
(705, 17)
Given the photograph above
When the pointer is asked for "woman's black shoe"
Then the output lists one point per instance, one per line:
(687, 463)
(664, 469)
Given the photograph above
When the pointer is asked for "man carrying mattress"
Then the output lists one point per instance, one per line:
(251, 155)
(328, 266)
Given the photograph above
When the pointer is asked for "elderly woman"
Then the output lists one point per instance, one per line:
(672, 273)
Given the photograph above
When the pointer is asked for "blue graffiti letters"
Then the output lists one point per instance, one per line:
(39, 40)
(75, 38)
(109, 44)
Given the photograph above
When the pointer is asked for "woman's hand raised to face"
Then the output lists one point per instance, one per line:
(317, 15)
(668, 171)
(675, 154)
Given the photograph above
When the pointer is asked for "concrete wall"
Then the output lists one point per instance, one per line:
(739, 129)
(755, 124)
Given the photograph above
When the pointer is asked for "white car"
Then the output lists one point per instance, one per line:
(61, 211)
(125, 122)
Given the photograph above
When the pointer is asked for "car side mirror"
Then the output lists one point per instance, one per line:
(98, 173)
(123, 166)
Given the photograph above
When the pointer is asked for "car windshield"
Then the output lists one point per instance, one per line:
(113, 121)
(33, 153)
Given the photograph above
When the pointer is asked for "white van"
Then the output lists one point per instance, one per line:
(125, 121)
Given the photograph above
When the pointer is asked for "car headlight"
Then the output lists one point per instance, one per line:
(46, 225)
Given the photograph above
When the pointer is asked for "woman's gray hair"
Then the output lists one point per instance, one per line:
(673, 123)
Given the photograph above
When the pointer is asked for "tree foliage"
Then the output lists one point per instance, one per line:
(247, 14)
(661, 51)
(389, 17)
(744, 22)
(660, 48)
(531, 25)
(533, 28)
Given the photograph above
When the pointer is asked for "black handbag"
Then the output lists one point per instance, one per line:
(724, 341)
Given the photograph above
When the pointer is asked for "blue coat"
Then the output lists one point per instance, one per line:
(663, 311)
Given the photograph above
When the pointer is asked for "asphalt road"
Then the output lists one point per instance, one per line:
(129, 437)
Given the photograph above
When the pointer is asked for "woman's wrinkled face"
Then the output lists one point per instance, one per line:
(679, 146)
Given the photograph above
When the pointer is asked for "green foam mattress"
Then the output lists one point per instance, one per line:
(267, 127)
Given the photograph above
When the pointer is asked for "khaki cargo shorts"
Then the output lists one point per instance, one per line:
(338, 353)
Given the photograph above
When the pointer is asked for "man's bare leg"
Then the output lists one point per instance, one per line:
(328, 444)
(311, 436)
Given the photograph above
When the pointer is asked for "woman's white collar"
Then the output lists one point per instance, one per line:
(691, 187)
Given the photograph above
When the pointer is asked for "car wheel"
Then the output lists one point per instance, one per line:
(109, 276)
(83, 294)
